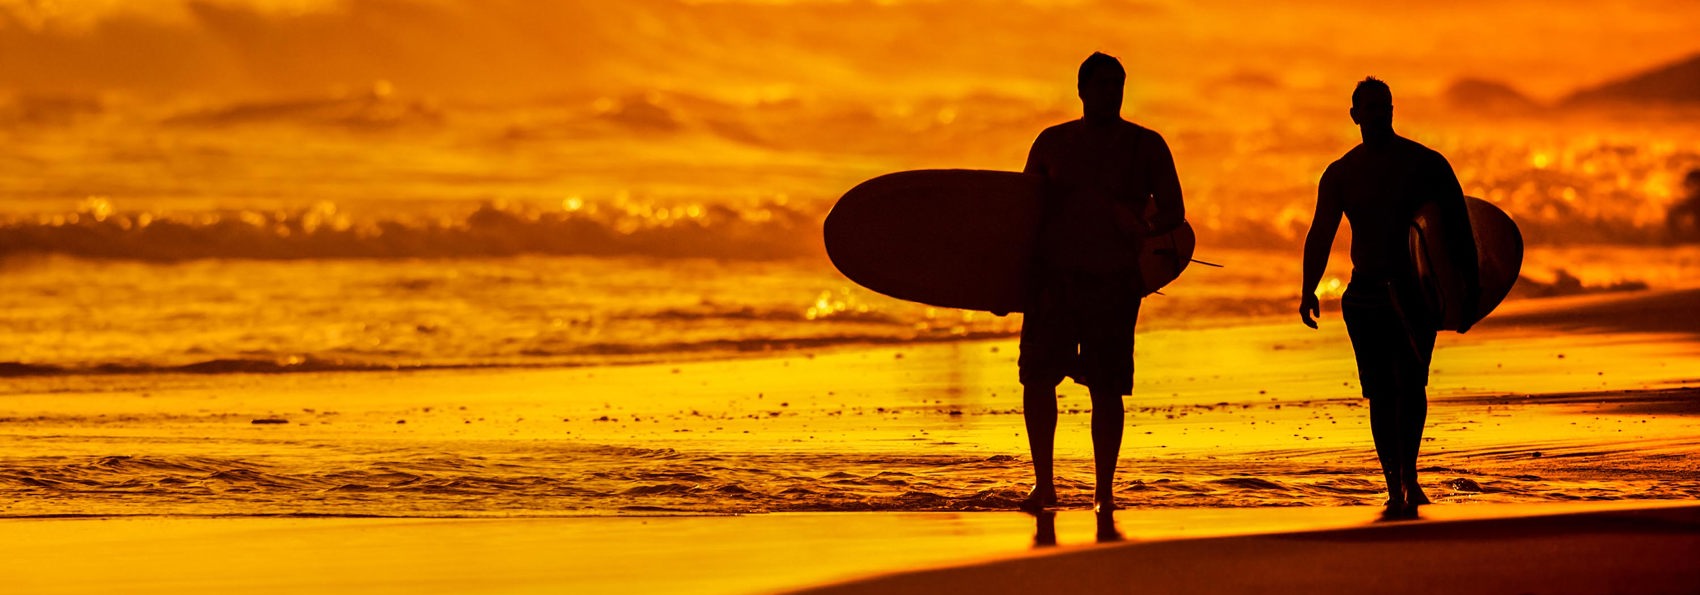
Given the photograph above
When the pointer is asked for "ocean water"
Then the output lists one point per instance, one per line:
(63, 315)
(268, 238)
(223, 231)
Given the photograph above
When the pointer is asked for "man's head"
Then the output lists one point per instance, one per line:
(1372, 104)
(1100, 84)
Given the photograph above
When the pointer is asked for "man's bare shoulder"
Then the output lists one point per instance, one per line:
(1419, 150)
(1345, 163)
(1060, 129)
(1429, 158)
(1140, 130)
(1050, 137)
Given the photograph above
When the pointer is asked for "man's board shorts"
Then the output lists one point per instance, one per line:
(1392, 340)
(1081, 326)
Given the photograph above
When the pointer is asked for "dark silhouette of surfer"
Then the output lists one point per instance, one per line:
(1378, 186)
(1108, 184)
(1683, 218)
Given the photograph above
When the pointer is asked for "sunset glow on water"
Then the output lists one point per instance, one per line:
(333, 135)
(197, 195)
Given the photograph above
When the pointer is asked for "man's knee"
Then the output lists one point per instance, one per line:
(1038, 394)
(1041, 376)
(1103, 400)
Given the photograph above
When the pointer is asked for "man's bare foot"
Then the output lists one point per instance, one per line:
(1399, 509)
(1414, 495)
(1396, 508)
(1398, 512)
(1104, 497)
(1039, 498)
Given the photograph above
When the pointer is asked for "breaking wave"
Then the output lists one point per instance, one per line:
(766, 231)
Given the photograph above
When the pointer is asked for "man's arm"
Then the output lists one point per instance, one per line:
(1165, 187)
(1460, 239)
(1319, 241)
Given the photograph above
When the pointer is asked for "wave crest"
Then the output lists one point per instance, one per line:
(770, 230)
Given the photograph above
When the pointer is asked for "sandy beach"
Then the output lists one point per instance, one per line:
(1647, 550)
(1487, 548)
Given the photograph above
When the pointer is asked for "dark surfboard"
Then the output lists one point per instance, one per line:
(960, 238)
(1499, 258)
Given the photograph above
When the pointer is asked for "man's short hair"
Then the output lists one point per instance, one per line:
(1100, 60)
(1372, 92)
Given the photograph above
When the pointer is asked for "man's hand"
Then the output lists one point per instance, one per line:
(1310, 309)
(1129, 222)
(1158, 228)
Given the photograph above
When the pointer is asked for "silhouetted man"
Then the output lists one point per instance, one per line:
(1378, 186)
(1102, 176)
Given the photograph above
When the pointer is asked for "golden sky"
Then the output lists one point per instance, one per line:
(486, 48)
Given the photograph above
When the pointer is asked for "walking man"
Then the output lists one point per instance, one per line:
(1378, 186)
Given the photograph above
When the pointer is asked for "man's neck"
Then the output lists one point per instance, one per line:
(1378, 136)
(1098, 120)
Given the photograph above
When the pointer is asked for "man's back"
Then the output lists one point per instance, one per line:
(1100, 180)
(1380, 187)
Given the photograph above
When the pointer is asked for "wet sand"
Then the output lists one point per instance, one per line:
(1168, 550)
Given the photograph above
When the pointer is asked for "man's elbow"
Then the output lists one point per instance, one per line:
(1310, 245)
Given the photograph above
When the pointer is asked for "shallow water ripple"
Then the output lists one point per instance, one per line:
(614, 480)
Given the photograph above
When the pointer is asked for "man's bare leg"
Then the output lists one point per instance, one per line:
(1384, 427)
(1413, 415)
(1108, 416)
(1039, 406)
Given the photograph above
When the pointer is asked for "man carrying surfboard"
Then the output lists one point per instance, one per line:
(1378, 187)
(1102, 175)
